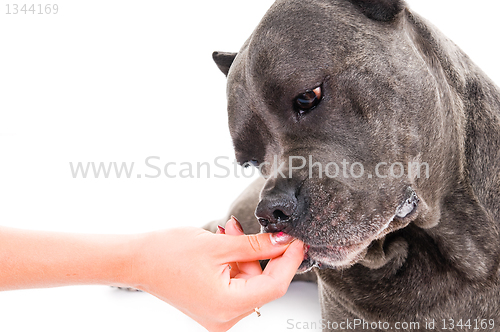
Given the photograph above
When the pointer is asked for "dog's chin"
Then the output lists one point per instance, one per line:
(333, 257)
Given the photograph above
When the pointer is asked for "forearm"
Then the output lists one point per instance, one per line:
(31, 259)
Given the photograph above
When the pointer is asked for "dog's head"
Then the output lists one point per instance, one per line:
(335, 104)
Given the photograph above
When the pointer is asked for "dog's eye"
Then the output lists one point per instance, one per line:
(308, 100)
(253, 162)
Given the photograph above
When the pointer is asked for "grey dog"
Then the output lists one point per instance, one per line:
(360, 83)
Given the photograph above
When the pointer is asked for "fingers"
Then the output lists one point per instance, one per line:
(246, 269)
(251, 287)
(272, 283)
(220, 230)
(233, 227)
(248, 249)
(233, 267)
(283, 268)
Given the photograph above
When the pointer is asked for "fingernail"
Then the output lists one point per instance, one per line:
(237, 223)
(280, 238)
(221, 230)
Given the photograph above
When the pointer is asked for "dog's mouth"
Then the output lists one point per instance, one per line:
(334, 256)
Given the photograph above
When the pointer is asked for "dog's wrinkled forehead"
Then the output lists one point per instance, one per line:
(291, 36)
(297, 42)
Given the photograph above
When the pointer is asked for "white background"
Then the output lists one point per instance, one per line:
(119, 81)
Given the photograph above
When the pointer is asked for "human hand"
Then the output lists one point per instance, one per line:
(215, 279)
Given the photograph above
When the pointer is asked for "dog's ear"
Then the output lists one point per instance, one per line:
(380, 10)
(224, 60)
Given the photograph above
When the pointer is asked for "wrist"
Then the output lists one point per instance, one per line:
(154, 258)
(126, 266)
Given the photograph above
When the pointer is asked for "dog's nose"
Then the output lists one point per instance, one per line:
(275, 210)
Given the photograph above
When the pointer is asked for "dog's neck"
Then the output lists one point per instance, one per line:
(465, 219)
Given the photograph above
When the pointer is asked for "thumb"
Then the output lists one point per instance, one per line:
(248, 248)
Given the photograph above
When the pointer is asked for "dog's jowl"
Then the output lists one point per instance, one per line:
(379, 144)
